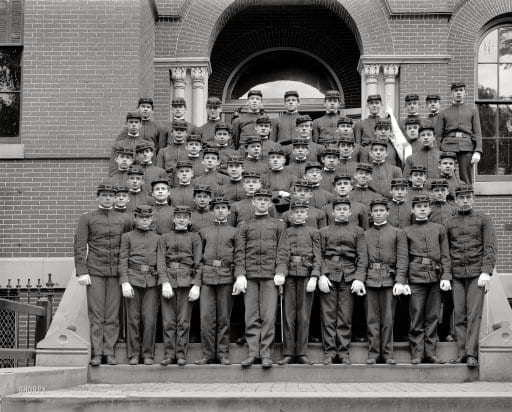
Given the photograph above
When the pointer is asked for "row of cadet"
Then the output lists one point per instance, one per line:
(264, 255)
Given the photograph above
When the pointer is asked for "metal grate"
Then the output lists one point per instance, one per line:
(8, 330)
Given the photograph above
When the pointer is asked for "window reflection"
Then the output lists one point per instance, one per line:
(487, 164)
(488, 119)
(505, 86)
(487, 81)
(506, 45)
(488, 51)
(276, 89)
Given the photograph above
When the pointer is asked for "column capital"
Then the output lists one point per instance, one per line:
(391, 70)
(178, 73)
(371, 69)
(199, 73)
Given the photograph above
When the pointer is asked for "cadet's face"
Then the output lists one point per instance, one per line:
(433, 105)
(161, 192)
(411, 130)
(458, 94)
(261, 204)
(378, 153)
(124, 161)
(202, 199)
(343, 187)
(412, 106)
(263, 129)
(299, 214)
(418, 178)
(254, 149)
(145, 110)
(362, 177)
(447, 166)
(383, 132)
(374, 106)
(440, 193)
(276, 161)
(181, 220)
(314, 175)
(254, 103)
(344, 128)
(399, 193)
(346, 150)
(213, 112)
(185, 174)
(193, 148)
(121, 200)
(427, 137)
(210, 161)
(303, 193)
(143, 222)
(178, 111)
(221, 212)
(331, 105)
(330, 161)
(135, 182)
(421, 210)
(300, 152)
(133, 126)
(291, 103)
(145, 156)
(465, 201)
(222, 137)
(341, 212)
(304, 129)
(179, 135)
(106, 199)
(235, 170)
(251, 184)
(379, 213)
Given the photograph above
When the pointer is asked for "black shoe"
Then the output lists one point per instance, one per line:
(241, 341)
(95, 361)
(248, 362)
(266, 363)
(304, 360)
(433, 359)
(110, 360)
(371, 361)
(204, 361)
(416, 361)
(285, 360)
(459, 359)
(472, 362)
(134, 360)
(168, 361)
(224, 360)
(181, 362)
(391, 361)
(328, 360)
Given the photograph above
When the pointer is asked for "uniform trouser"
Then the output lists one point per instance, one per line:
(445, 322)
(260, 316)
(142, 307)
(380, 309)
(103, 300)
(216, 304)
(176, 314)
(424, 306)
(296, 312)
(465, 166)
(468, 301)
(337, 308)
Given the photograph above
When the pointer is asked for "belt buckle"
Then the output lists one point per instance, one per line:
(144, 268)
(459, 134)
(297, 259)
(175, 265)
(426, 261)
(217, 263)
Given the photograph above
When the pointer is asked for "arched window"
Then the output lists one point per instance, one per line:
(494, 100)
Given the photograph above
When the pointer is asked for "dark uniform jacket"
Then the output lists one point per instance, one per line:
(462, 119)
(212, 178)
(442, 211)
(243, 211)
(218, 242)
(151, 131)
(388, 256)
(179, 259)
(453, 182)
(427, 157)
(97, 242)
(315, 151)
(472, 244)
(296, 167)
(118, 178)
(276, 181)
(163, 215)
(382, 175)
(347, 166)
(363, 195)
(207, 132)
(283, 128)
(305, 251)
(171, 154)
(232, 191)
(321, 197)
(429, 253)
(139, 198)
(316, 218)
(261, 248)
(328, 178)
(201, 218)
(400, 213)
(324, 128)
(127, 141)
(152, 172)
(243, 126)
(182, 195)
(344, 255)
(359, 214)
(137, 258)
(364, 130)
(252, 164)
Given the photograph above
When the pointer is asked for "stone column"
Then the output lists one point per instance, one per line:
(198, 75)
(178, 76)
(371, 72)
(390, 98)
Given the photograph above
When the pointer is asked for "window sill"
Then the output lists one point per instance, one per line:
(12, 151)
(493, 188)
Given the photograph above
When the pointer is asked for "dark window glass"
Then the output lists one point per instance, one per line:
(10, 88)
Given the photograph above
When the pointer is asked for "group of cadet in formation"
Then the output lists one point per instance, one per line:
(325, 210)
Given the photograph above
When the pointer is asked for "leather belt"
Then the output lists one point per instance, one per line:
(142, 268)
(376, 265)
(215, 262)
(423, 260)
(177, 265)
(458, 134)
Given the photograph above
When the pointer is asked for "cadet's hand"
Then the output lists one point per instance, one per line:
(127, 290)
(84, 280)
(167, 290)
(398, 289)
(445, 285)
(358, 288)
(407, 290)
(240, 285)
(282, 193)
(279, 279)
(475, 158)
(311, 285)
(324, 283)
(484, 281)
(194, 293)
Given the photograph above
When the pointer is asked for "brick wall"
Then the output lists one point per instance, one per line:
(146, 50)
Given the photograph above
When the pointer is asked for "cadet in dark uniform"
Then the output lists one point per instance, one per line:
(283, 128)
(324, 128)
(145, 152)
(412, 106)
(150, 130)
(202, 215)
(243, 125)
(303, 272)
(364, 130)
(387, 262)
(362, 192)
(400, 209)
(412, 133)
(427, 155)
(298, 158)
(261, 264)
(348, 159)
(132, 138)
(263, 127)
(458, 130)
(210, 175)
(96, 249)
(383, 132)
(233, 190)
(330, 159)
(138, 194)
(382, 172)
(175, 151)
(320, 197)
(302, 191)
(213, 111)
(138, 279)
(194, 150)
(472, 240)
(124, 159)
(417, 181)
(178, 109)
(163, 214)
(447, 166)
(433, 104)
(179, 274)
(254, 161)
(279, 181)
(183, 193)
(122, 198)
(218, 242)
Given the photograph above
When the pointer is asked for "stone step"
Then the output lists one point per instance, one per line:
(277, 396)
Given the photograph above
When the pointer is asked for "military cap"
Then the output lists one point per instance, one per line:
(124, 150)
(451, 155)
(121, 189)
(159, 181)
(263, 192)
(426, 125)
(313, 165)
(133, 115)
(439, 183)
(464, 189)
(210, 150)
(294, 204)
(178, 101)
(420, 199)
(342, 176)
(145, 100)
(179, 124)
(136, 170)
(105, 187)
(235, 159)
(254, 92)
(202, 188)
(303, 119)
(263, 120)
(345, 120)
(347, 139)
(433, 96)
(182, 209)
(399, 181)
(219, 201)
(383, 123)
(182, 164)
(341, 200)
(213, 102)
(300, 142)
(418, 168)
(330, 151)
(412, 120)
(194, 138)
(379, 201)
(379, 141)
(458, 84)
(143, 211)
(276, 150)
(252, 139)
(411, 97)
(302, 183)
(144, 145)
(291, 93)
(332, 94)
(364, 166)
(373, 97)
(251, 174)
(222, 126)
